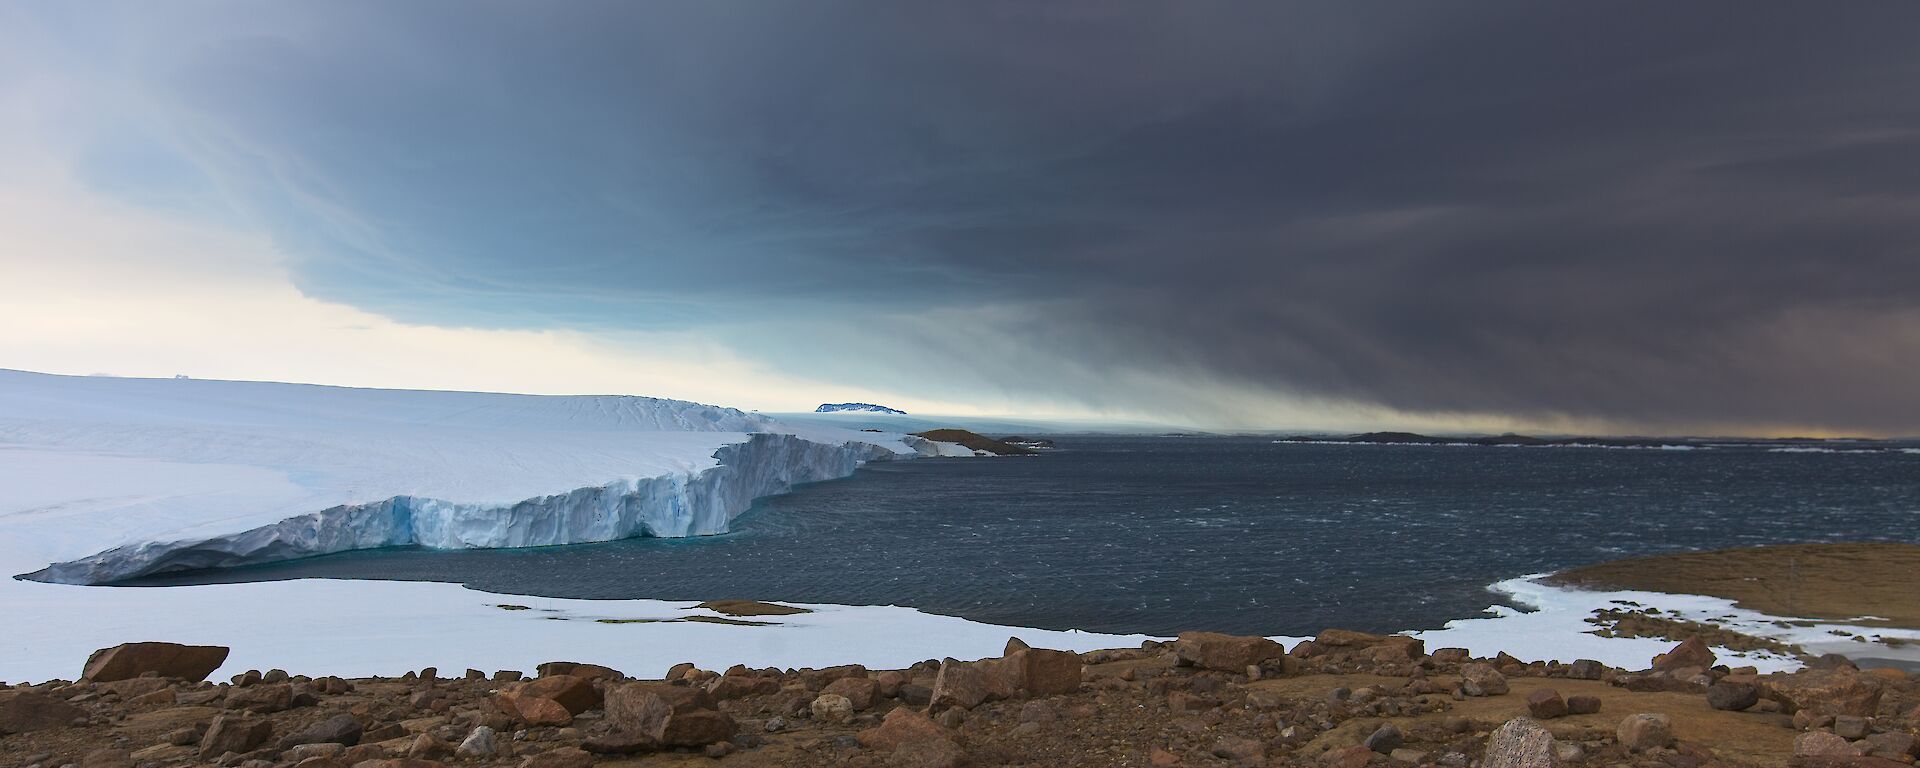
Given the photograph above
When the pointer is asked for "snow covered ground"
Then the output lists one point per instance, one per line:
(117, 476)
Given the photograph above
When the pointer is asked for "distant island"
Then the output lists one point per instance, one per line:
(1789, 444)
(857, 408)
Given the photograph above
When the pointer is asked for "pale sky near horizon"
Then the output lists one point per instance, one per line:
(1306, 215)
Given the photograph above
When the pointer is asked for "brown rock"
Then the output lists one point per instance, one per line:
(1733, 697)
(231, 733)
(1520, 743)
(1226, 653)
(1825, 692)
(1641, 732)
(1482, 680)
(1693, 652)
(964, 685)
(23, 711)
(728, 687)
(1546, 704)
(1162, 758)
(576, 669)
(1452, 655)
(130, 660)
(1583, 705)
(900, 727)
(890, 683)
(1240, 750)
(1347, 638)
(264, 699)
(577, 694)
(138, 686)
(671, 715)
(859, 691)
(405, 762)
(1822, 744)
(533, 710)
(1042, 672)
(344, 730)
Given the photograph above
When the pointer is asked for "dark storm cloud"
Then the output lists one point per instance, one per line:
(1654, 214)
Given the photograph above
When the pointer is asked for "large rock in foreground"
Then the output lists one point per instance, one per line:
(1225, 653)
(1825, 692)
(130, 660)
(1520, 743)
(667, 715)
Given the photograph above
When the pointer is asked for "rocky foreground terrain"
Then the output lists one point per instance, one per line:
(1343, 700)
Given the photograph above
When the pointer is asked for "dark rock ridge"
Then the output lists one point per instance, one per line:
(857, 407)
(976, 441)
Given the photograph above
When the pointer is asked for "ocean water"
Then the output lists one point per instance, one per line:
(1164, 534)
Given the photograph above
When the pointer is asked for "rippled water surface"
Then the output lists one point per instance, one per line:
(1160, 535)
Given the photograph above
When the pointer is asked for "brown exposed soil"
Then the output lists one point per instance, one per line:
(1819, 581)
(750, 608)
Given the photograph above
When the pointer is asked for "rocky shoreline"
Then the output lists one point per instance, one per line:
(1344, 699)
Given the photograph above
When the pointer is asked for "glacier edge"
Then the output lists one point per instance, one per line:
(671, 505)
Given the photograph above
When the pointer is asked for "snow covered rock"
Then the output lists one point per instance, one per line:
(857, 408)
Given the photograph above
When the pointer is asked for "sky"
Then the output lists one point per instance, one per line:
(1629, 217)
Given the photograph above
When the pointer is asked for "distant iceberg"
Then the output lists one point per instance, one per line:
(857, 408)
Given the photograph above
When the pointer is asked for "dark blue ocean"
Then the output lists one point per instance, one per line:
(1159, 535)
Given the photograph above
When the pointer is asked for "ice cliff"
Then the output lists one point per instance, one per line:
(119, 478)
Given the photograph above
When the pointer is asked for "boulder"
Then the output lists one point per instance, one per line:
(23, 711)
(1546, 704)
(1822, 744)
(1586, 669)
(1385, 739)
(576, 669)
(1041, 672)
(1583, 705)
(1225, 653)
(1240, 750)
(966, 684)
(577, 694)
(130, 660)
(1452, 655)
(264, 699)
(1520, 743)
(669, 715)
(1692, 652)
(900, 727)
(231, 733)
(339, 729)
(477, 744)
(1346, 638)
(831, 708)
(1641, 732)
(1733, 697)
(861, 692)
(1839, 691)
(532, 710)
(1482, 680)
(737, 686)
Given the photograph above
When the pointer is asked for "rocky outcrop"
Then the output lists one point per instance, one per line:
(173, 660)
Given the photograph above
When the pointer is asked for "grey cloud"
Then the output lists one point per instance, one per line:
(1652, 214)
